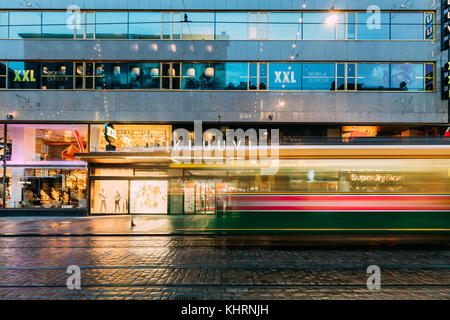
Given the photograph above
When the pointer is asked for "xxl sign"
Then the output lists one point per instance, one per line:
(284, 76)
(24, 76)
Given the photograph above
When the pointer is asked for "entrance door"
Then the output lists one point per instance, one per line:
(205, 197)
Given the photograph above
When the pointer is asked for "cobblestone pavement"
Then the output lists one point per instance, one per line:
(200, 267)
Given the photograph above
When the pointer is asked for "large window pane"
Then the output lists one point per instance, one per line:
(373, 26)
(373, 76)
(57, 75)
(145, 25)
(316, 26)
(24, 75)
(231, 76)
(43, 143)
(46, 188)
(3, 25)
(3, 72)
(109, 196)
(318, 76)
(231, 26)
(407, 76)
(285, 25)
(199, 27)
(285, 76)
(111, 76)
(24, 24)
(54, 25)
(144, 76)
(198, 76)
(111, 25)
(148, 196)
(407, 26)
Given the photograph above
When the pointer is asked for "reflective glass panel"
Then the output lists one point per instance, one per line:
(231, 76)
(285, 76)
(46, 188)
(316, 26)
(46, 143)
(285, 25)
(373, 76)
(318, 76)
(109, 196)
(373, 26)
(231, 26)
(407, 76)
(3, 75)
(57, 75)
(199, 27)
(54, 25)
(24, 75)
(407, 26)
(111, 25)
(198, 76)
(111, 75)
(145, 25)
(24, 24)
(3, 25)
(144, 76)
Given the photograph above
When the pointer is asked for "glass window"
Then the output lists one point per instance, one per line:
(109, 196)
(145, 25)
(57, 75)
(285, 76)
(171, 75)
(351, 26)
(285, 25)
(231, 76)
(111, 76)
(148, 196)
(407, 76)
(3, 25)
(54, 25)
(144, 76)
(111, 25)
(373, 76)
(257, 79)
(46, 188)
(319, 26)
(3, 75)
(37, 143)
(90, 25)
(351, 76)
(199, 27)
(340, 76)
(24, 75)
(171, 25)
(318, 76)
(198, 76)
(84, 77)
(231, 26)
(24, 24)
(429, 77)
(407, 26)
(373, 26)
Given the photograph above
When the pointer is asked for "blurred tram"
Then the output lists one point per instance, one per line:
(323, 189)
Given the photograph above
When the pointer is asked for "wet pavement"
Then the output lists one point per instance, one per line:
(214, 267)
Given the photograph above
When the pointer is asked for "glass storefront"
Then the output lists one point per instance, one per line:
(41, 168)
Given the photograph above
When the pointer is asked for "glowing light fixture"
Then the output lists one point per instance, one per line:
(209, 72)
(191, 72)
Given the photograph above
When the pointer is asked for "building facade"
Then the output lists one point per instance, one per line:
(69, 70)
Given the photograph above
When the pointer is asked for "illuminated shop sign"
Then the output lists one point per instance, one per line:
(110, 136)
(284, 76)
(24, 76)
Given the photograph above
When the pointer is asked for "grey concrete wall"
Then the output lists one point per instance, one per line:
(231, 106)
(218, 4)
(164, 50)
